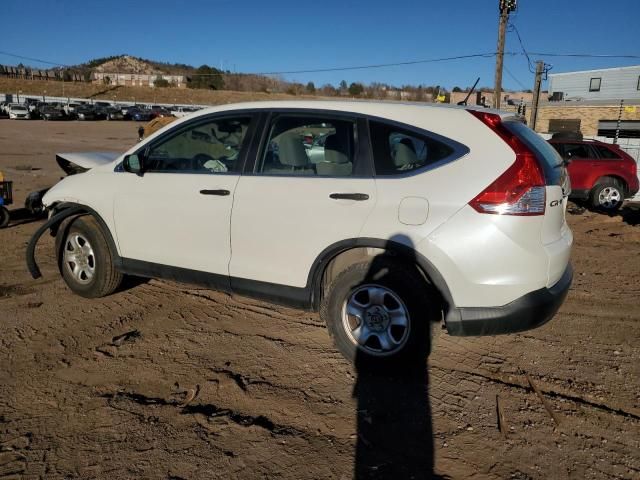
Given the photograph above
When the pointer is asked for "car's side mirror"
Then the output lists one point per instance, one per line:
(133, 164)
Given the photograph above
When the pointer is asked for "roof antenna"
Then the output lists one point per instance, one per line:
(464, 102)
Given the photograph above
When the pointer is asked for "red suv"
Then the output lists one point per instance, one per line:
(600, 173)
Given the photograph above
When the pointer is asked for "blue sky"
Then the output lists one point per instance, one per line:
(259, 36)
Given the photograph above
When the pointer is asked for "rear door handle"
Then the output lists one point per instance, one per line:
(221, 193)
(359, 197)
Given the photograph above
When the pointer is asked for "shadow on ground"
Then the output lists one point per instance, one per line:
(20, 216)
(394, 424)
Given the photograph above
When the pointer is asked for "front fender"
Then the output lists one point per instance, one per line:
(61, 212)
(53, 222)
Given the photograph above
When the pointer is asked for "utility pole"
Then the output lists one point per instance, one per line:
(536, 93)
(505, 7)
(615, 139)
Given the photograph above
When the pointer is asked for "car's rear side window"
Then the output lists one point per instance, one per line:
(397, 151)
(606, 153)
(317, 145)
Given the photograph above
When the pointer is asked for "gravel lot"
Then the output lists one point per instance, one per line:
(214, 386)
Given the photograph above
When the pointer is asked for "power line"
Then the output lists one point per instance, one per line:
(513, 28)
(32, 59)
(378, 65)
(313, 70)
(514, 78)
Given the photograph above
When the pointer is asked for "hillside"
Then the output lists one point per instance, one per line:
(127, 64)
(183, 96)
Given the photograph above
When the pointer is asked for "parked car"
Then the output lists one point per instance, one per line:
(85, 112)
(315, 151)
(180, 111)
(51, 112)
(114, 113)
(18, 111)
(139, 114)
(469, 227)
(601, 173)
(125, 111)
(101, 112)
(159, 112)
(31, 103)
(70, 109)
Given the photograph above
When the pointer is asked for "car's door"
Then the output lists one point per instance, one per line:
(288, 208)
(178, 212)
(582, 159)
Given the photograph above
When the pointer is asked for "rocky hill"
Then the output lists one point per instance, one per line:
(131, 64)
(127, 64)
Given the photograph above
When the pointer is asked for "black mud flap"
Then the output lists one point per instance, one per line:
(51, 223)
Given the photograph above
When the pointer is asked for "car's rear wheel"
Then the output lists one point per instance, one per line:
(85, 259)
(607, 195)
(379, 312)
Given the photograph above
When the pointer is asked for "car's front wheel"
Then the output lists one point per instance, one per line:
(607, 195)
(379, 312)
(85, 259)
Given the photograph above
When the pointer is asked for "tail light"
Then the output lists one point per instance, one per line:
(520, 190)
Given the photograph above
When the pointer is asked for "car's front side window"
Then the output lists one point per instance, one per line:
(309, 146)
(577, 150)
(208, 147)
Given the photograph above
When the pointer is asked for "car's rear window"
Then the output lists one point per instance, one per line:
(549, 159)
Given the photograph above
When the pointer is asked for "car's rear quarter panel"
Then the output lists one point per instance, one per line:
(446, 188)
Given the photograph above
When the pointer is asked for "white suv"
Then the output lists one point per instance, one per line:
(407, 213)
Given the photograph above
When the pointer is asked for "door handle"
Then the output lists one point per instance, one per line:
(221, 193)
(359, 197)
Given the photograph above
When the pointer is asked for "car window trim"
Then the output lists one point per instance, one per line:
(179, 129)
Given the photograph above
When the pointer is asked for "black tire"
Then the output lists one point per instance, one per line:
(5, 217)
(104, 279)
(604, 193)
(413, 291)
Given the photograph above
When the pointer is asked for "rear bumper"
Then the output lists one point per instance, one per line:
(529, 311)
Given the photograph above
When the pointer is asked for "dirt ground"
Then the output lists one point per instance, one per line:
(205, 385)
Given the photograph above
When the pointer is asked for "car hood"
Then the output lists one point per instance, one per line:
(81, 162)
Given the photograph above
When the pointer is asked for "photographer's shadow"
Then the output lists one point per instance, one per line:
(394, 427)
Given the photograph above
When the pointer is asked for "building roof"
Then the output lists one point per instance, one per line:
(595, 70)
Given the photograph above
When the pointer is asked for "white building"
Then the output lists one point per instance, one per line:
(622, 83)
(138, 79)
